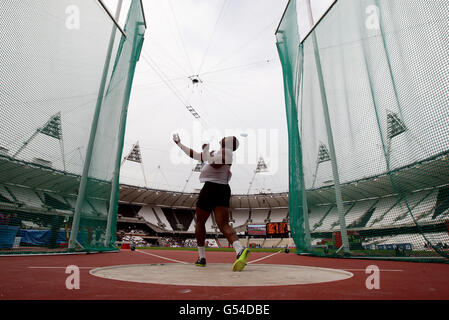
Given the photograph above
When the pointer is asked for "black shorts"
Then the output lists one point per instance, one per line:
(214, 195)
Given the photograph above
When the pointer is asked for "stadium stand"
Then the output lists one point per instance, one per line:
(99, 207)
(328, 220)
(147, 213)
(382, 208)
(272, 242)
(211, 243)
(184, 218)
(400, 210)
(172, 220)
(163, 222)
(278, 215)
(223, 242)
(256, 242)
(442, 203)
(259, 216)
(286, 242)
(371, 213)
(5, 196)
(415, 240)
(374, 217)
(26, 196)
(191, 227)
(240, 217)
(211, 226)
(128, 210)
(53, 201)
(423, 207)
(317, 214)
(358, 210)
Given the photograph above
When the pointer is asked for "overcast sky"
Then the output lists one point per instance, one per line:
(230, 45)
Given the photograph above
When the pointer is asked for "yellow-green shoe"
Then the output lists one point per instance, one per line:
(242, 258)
(201, 262)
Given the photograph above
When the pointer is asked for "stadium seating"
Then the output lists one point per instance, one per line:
(210, 224)
(278, 215)
(161, 217)
(224, 242)
(172, 219)
(422, 212)
(240, 217)
(191, 227)
(384, 213)
(259, 216)
(328, 220)
(211, 243)
(147, 213)
(316, 214)
(358, 210)
(5, 197)
(416, 240)
(184, 217)
(382, 208)
(128, 210)
(26, 196)
(36, 200)
(99, 207)
(401, 209)
(256, 241)
(272, 242)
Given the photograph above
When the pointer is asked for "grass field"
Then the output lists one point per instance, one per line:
(215, 249)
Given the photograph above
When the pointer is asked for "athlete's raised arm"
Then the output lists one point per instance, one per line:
(190, 152)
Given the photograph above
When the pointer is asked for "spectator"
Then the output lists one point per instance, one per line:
(4, 219)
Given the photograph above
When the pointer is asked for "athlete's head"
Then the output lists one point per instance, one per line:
(230, 143)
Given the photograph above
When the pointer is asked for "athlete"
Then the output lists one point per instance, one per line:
(215, 196)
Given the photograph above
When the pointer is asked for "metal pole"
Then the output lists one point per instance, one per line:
(252, 181)
(93, 131)
(308, 239)
(143, 173)
(121, 136)
(25, 144)
(61, 143)
(338, 196)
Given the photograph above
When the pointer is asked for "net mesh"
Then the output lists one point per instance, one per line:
(379, 71)
(66, 77)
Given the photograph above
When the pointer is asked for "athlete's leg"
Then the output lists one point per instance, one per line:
(222, 219)
(200, 233)
(200, 226)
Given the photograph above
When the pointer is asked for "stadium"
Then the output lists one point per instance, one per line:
(341, 113)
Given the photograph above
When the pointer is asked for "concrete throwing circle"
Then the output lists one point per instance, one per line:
(221, 274)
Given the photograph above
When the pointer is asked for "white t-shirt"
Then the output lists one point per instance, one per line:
(221, 175)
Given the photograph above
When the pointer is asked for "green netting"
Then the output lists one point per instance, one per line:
(66, 77)
(288, 33)
(380, 69)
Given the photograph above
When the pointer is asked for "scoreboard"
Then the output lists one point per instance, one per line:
(256, 230)
(277, 229)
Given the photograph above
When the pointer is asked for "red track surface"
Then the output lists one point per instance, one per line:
(20, 279)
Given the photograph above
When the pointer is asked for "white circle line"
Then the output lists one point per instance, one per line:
(339, 271)
(155, 255)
